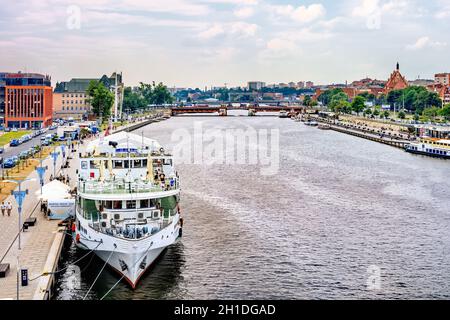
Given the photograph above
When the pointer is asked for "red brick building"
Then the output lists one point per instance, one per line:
(28, 106)
(396, 81)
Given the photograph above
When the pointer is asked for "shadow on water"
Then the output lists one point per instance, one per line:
(161, 281)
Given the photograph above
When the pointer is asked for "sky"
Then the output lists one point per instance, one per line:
(198, 43)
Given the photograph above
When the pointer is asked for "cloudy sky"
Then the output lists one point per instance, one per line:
(212, 42)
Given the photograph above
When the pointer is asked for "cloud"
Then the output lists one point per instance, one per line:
(302, 14)
(425, 42)
(244, 12)
(238, 29)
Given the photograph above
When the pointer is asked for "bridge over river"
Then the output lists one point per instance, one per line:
(222, 110)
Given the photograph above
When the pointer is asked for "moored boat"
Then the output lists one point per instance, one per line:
(438, 148)
(127, 208)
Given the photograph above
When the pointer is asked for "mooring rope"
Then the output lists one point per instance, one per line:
(98, 275)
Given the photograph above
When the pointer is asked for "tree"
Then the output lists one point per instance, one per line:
(327, 96)
(307, 101)
(160, 95)
(367, 112)
(337, 102)
(431, 113)
(101, 99)
(445, 112)
(402, 115)
(386, 114)
(133, 101)
(358, 104)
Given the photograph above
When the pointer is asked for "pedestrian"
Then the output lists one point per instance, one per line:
(3, 207)
(9, 208)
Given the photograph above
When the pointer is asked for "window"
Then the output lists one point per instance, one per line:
(83, 164)
(117, 205)
(144, 203)
(108, 204)
(137, 164)
(131, 204)
(118, 164)
(94, 164)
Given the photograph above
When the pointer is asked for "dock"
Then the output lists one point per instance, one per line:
(376, 138)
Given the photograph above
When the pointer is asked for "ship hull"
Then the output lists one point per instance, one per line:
(130, 258)
(137, 264)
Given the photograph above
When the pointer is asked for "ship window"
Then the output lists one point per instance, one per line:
(94, 164)
(168, 162)
(131, 204)
(84, 164)
(117, 205)
(108, 204)
(144, 203)
(144, 163)
(118, 164)
(137, 164)
(126, 164)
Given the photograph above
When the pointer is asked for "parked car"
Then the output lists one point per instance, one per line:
(9, 163)
(2, 149)
(14, 142)
(15, 159)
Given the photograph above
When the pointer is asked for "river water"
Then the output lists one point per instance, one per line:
(342, 218)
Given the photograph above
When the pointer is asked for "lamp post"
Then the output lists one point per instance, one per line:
(19, 195)
(54, 155)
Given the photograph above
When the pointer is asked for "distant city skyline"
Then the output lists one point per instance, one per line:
(198, 43)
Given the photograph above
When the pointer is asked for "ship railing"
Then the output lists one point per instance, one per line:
(123, 187)
(134, 229)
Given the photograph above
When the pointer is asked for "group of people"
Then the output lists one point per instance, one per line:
(64, 179)
(6, 207)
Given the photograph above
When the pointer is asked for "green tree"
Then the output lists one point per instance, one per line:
(101, 99)
(327, 96)
(307, 101)
(431, 113)
(358, 104)
(445, 112)
(161, 94)
(133, 101)
(386, 114)
(402, 115)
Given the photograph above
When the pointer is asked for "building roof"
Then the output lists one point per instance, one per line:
(74, 85)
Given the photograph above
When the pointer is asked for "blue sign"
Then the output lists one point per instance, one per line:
(63, 150)
(20, 196)
(54, 156)
(41, 172)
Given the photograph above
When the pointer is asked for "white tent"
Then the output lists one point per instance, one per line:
(54, 190)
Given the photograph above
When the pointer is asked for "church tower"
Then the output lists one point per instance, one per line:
(396, 81)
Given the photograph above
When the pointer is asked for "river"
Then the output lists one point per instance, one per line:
(343, 218)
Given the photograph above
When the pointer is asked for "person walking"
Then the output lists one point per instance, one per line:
(3, 208)
(9, 208)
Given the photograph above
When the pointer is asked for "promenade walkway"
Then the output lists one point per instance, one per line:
(35, 242)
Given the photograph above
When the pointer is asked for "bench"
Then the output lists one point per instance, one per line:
(31, 222)
(4, 268)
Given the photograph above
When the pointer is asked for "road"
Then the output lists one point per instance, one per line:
(14, 151)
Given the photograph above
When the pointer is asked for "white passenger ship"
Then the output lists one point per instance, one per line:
(127, 208)
(439, 148)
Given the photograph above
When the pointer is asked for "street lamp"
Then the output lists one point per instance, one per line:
(19, 195)
(54, 155)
